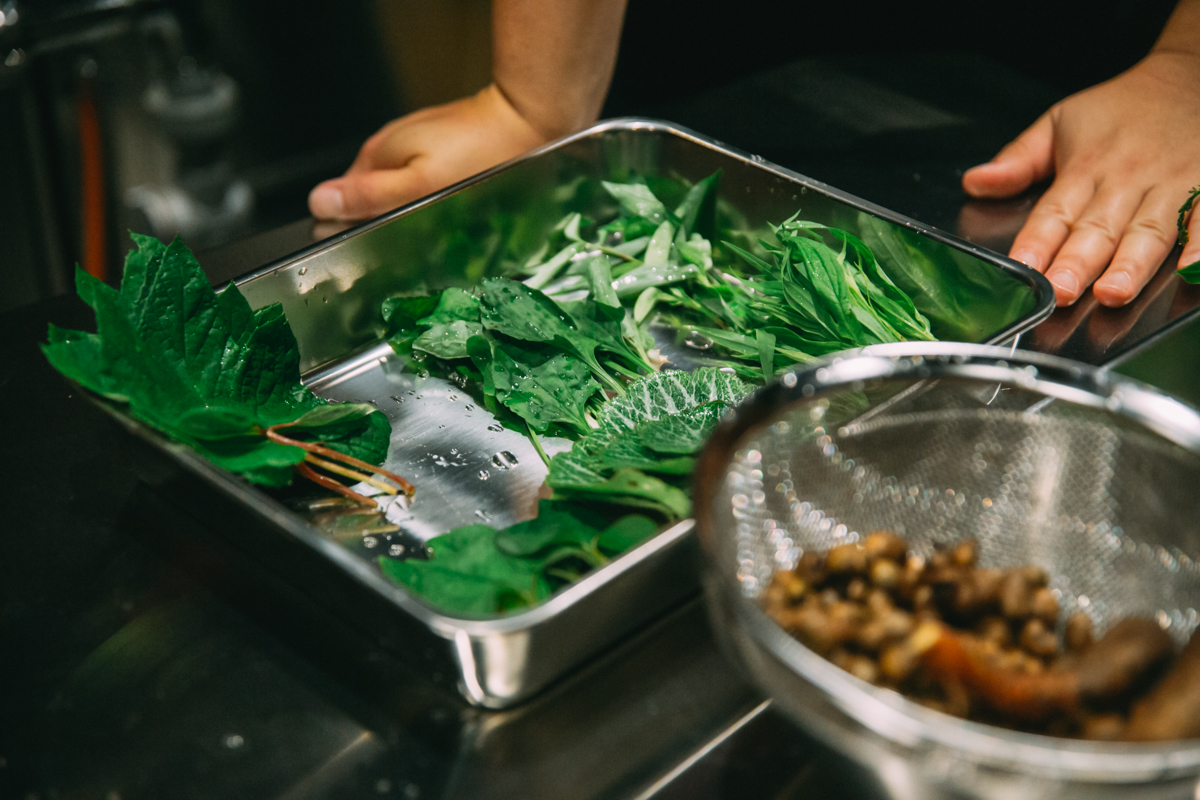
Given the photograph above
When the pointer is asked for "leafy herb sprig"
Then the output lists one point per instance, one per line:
(564, 347)
(213, 374)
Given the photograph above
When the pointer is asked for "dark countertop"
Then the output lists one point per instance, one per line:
(133, 669)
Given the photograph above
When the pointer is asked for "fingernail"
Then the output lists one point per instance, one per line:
(1188, 257)
(1027, 258)
(1066, 287)
(326, 202)
(1117, 283)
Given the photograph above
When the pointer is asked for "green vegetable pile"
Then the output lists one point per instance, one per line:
(211, 373)
(564, 347)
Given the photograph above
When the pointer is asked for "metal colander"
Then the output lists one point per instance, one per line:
(1041, 460)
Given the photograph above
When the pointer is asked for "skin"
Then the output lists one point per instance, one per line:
(552, 63)
(1123, 155)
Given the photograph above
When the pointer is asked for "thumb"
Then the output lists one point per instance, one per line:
(367, 194)
(1024, 161)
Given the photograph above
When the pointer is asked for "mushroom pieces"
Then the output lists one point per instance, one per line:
(1121, 660)
(1109, 669)
(985, 643)
(1172, 709)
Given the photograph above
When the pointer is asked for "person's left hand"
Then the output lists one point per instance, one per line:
(1124, 155)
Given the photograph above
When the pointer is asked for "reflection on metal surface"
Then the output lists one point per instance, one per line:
(442, 439)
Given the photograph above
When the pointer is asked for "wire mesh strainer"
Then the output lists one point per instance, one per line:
(1041, 460)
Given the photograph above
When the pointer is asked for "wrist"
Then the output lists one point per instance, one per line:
(1181, 35)
(551, 119)
(501, 105)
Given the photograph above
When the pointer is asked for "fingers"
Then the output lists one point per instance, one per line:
(367, 194)
(1147, 240)
(1050, 222)
(1093, 240)
(1026, 160)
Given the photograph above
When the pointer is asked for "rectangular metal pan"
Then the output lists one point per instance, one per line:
(465, 467)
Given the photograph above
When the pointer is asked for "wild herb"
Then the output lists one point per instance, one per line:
(564, 344)
(209, 372)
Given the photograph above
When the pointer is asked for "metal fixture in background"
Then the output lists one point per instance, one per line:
(205, 203)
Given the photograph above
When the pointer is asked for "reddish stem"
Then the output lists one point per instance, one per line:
(304, 470)
(321, 450)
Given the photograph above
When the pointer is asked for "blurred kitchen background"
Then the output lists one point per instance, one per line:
(212, 119)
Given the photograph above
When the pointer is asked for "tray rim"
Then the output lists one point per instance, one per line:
(451, 627)
(1043, 291)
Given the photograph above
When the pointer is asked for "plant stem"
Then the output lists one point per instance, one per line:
(537, 445)
(349, 473)
(304, 470)
(272, 434)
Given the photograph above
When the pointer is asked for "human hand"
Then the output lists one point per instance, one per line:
(1124, 155)
(425, 151)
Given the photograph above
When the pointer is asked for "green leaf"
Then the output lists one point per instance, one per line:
(1190, 273)
(515, 310)
(630, 487)
(638, 200)
(647, 275)
(600, 279)
(645, 303)
(685, 432)
(667, 393)
(697, 212)
(625, 533)
(454, 305)
(204, 368)
(658, 251)
(401, 313)
(554, 526)
(467, 574)
(540, 386)
(449, 340)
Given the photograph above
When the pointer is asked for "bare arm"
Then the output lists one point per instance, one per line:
(552, 63)
(1123, 155)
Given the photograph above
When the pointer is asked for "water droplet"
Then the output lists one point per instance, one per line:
(441, 426)
(495, 428)
(484, 474)
(370, 541)
(396, 550)
(398, 398)
(452, 398)
(504, 460)
(233, 741)
(303, 270)
(483, 515)
(468, 407)
(411, 392)
(453, 451)
(696, 341)
(324, 299)
(423, 373)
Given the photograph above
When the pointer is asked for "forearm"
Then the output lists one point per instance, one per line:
(553, 59)
(1182, 31)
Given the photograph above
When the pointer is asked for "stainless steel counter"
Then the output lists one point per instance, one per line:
(140, 662)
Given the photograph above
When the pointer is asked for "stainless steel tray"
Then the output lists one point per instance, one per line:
(467, 468)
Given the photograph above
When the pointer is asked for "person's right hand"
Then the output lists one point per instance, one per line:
(425, 151)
